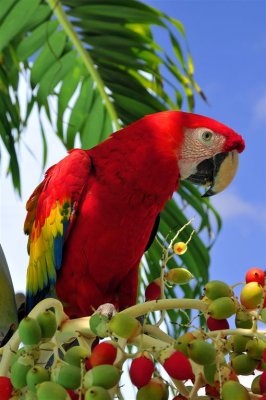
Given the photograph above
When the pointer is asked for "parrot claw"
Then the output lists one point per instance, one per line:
(107, 309)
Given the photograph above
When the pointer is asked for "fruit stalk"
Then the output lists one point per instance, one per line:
(165, 304)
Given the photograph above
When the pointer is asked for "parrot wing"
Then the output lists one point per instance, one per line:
(51, 212)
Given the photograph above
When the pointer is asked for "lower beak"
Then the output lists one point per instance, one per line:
(217, 172)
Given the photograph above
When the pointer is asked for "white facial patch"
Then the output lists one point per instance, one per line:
(199, 144)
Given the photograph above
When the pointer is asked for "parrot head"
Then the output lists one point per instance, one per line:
(209, 153)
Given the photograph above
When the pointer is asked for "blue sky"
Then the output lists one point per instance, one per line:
(228, 44)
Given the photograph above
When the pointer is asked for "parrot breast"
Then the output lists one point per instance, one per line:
(123, 197)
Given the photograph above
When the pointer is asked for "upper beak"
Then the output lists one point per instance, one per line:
(217, 172)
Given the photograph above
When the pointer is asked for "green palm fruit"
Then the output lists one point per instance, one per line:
(48, 324)
(29, 395)
(216, 289)
(255, 348)
(35, 375)
(243, 364)
(29, 331)
(97, 393)
(255, 385)
(19, 371)
(99, 325)
(153, 390)
(124, 326)
(76, 354)
(182, 342)
(69, 376)
(263, 315)
(51, 391)
(237, 343)
(234, 390)
(243, 319)
(105, 375)
(222, 308)
(201, 352)
(179, 276)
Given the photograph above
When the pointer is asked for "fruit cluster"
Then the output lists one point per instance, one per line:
(51, 357)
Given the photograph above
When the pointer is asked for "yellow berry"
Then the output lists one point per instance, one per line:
(180, 248)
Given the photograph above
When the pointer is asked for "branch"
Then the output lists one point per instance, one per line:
(165, 304)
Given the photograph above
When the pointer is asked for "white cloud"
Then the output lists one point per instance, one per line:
(260, 109)
(231, 205)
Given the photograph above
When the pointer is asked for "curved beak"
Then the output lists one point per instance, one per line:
(217, 172)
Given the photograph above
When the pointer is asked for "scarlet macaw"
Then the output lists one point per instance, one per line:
(91, 218)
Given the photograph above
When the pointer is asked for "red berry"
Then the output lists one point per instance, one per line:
(212, 391)
(217, 324)
(178, 366)
(264, 355)
(73, 395)
(141, 370)
(88, 365)
(255, 275)
(5, 388)
(153, 290)
(103, 353)
(262, 382)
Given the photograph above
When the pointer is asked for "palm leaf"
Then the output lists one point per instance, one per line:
(99, 60)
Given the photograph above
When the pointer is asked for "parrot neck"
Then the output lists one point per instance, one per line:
(142, 157)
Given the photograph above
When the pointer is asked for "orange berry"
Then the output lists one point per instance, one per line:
(255, 275)
(103, 353)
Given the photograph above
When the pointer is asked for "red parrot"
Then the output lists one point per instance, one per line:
(96, 211)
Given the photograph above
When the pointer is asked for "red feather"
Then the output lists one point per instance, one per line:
(111, 195)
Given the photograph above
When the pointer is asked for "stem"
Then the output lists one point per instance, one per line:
(178, 233)
(165, 304)
(148, 343)
(197, 385)
(157, 333)
(88, 62)
(181, 387)
(238, 331)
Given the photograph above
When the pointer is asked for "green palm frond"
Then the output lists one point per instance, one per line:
(98, 59)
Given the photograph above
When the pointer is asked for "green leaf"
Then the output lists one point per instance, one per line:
(5, 6)
(178, 50)
(92, 127)
(79, 111)
(49, 55)
(122, 13)
(16, 19)
(68, 88)
(55, 74)
(44, 142)
(35, 40)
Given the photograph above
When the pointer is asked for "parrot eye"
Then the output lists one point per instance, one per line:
(206, 136)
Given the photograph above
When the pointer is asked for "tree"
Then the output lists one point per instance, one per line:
(100, 64)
